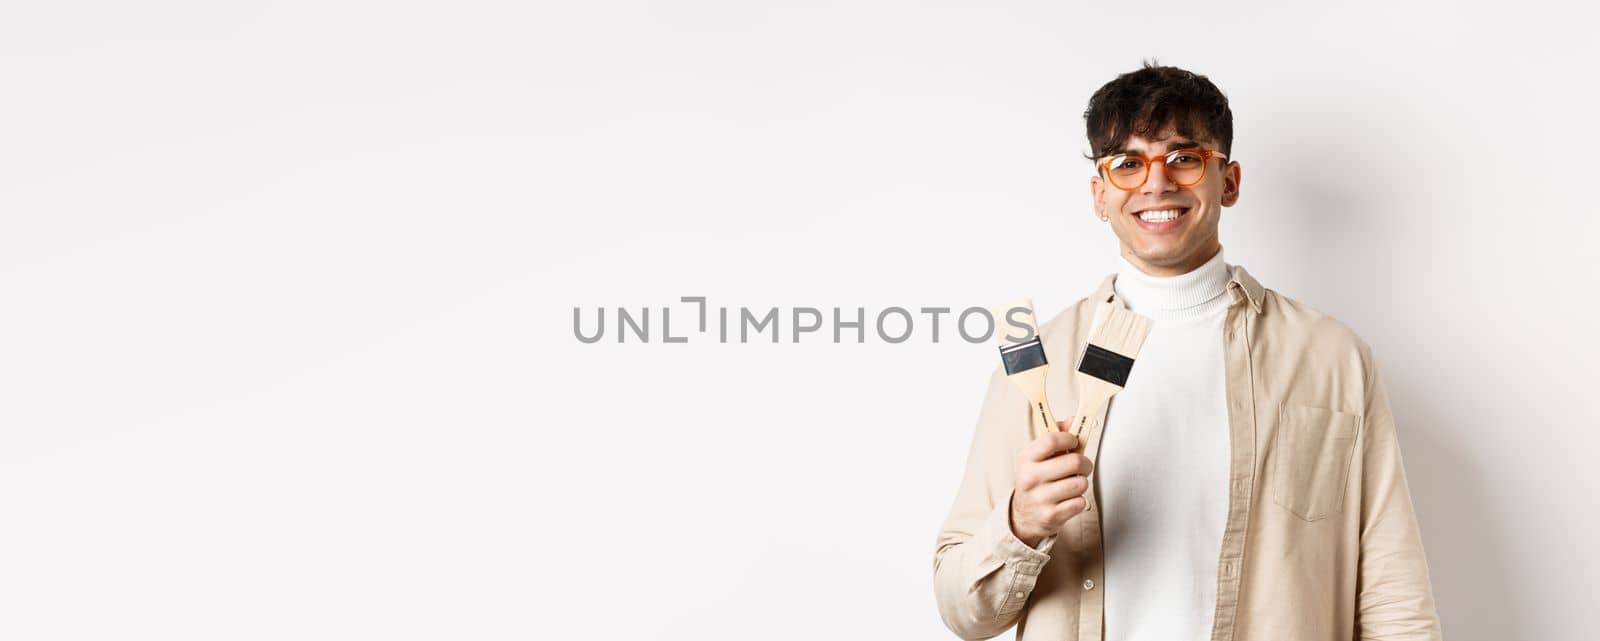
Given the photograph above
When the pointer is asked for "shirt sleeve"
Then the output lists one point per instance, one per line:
(982, 573)
(1395, 597)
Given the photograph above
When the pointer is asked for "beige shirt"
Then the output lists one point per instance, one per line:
(1320, 541)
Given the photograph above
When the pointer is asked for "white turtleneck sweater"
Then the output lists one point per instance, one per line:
(1163, 461)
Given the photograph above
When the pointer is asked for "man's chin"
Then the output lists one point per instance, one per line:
(1159, 258)
(1163, 260)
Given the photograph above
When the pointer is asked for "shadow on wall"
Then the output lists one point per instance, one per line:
(1469, 558)
(1346, 244)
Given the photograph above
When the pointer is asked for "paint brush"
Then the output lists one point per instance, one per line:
(1115, 336)
(1023, 357)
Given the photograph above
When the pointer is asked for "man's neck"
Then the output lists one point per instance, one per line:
(1162, 271)
(1175, 296)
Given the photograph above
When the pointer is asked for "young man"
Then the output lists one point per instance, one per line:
(1246, 484)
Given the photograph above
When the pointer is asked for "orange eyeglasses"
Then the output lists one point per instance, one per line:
(1184, 167)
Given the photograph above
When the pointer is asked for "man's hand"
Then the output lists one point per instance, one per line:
(1051, 480)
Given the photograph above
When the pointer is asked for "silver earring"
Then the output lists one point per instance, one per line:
(1104, 218)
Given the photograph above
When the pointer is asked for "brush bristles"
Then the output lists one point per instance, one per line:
(1121, 331)
(1003, 328)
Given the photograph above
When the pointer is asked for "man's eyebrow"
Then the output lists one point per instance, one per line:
(1171, 147)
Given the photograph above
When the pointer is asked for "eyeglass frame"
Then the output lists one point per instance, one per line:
(1205, 161)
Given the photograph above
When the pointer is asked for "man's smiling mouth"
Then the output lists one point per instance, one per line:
(1162, 215)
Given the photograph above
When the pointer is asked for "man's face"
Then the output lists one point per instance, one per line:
(1179, 246)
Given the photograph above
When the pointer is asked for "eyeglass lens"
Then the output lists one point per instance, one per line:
(1184, 168)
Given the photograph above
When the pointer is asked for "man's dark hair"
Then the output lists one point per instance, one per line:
(1146, 101)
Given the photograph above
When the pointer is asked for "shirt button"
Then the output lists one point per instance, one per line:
(1088, 584)
(1020, 594)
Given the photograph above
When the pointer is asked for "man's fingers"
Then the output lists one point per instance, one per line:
(1062, 466)
(1067, 424)
(1073, 506)
(1062, 489)
(1062, 442)
(1049, 444)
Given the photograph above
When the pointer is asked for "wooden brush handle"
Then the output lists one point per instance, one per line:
(1093, 396)
(1042, 413)
(1089, 407)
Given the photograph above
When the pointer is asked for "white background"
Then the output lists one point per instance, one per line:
(286, 295)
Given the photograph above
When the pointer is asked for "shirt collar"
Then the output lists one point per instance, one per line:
(1174, 296)
(1241, 286)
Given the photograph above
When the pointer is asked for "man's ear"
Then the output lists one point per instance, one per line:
(1097, 196)
(1230, 184)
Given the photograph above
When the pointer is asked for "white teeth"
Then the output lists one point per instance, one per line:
(1159, 215)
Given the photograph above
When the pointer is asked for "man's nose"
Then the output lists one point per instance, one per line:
(1158, 182)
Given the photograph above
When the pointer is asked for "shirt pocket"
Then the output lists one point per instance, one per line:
(1313, 459)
